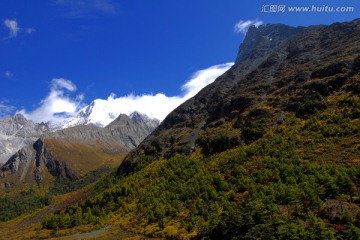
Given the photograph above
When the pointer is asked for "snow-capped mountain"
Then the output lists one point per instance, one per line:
(16, 131)
(100, 113)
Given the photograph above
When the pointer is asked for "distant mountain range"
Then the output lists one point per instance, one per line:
(74, 151)
(99, 113)
(17, 131)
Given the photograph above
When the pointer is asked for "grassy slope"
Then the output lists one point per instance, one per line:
(299, 180)
(82, 158)
(85, 158)
(91, 162)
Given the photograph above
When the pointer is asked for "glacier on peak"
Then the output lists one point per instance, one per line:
(99, 113)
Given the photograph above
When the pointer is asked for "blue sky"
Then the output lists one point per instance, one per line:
(126, 47)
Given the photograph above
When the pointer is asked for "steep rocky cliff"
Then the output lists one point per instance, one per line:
(16, 132)
(279, 71)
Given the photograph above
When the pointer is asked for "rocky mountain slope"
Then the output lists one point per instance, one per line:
(16, 132)
(74, 151)
(279, 71)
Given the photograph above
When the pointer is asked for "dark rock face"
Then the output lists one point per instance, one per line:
(18, 159)
(44, 158)
(21, 164)
(279, 70)
(262, 41)
(16, 168)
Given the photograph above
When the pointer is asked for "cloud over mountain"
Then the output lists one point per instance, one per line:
(243, 25)
(59, 105)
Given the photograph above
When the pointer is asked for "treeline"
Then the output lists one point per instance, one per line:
(299, 180)
(10, 208)
(236, 193)
(29, 201)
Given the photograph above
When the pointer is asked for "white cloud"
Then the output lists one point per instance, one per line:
(30, 30)
(155, 105)
(242, 26)
(13, 27)
(6, 109)
(60, 83)
(57, 105)
(9, 74)
(202, 78)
